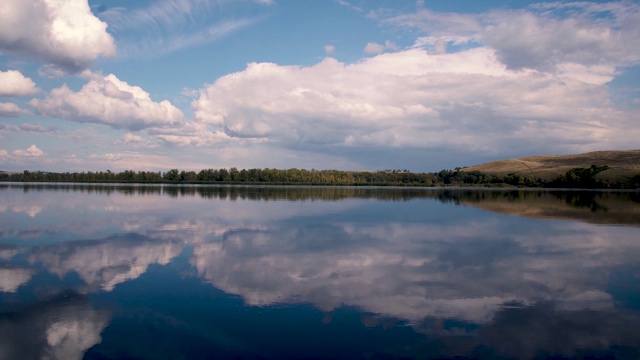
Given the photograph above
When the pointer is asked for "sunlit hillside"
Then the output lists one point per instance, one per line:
(622, 165)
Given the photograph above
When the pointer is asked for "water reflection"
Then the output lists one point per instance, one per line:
(470, 282)
(63, 327)
(11, 278)
(600, 207)
(102, 264)
(545, 330)
(413, 271)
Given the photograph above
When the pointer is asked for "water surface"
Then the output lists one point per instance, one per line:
(165, 272)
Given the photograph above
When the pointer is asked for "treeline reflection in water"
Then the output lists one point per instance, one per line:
(291, 192)
(106, 272)
(605, 207)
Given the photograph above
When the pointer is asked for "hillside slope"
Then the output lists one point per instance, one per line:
(623, 165)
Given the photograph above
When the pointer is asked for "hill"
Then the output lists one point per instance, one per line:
(621, 165)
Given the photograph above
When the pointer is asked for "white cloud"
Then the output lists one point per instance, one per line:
(131, 138)
(329, 49)
(166, 26)
(466, 101)
(32, 127)
(108, 157)
(544, 36)
(532, 41)
(373, 48)
(390, 45)
(11, 110)
(110, 101)
(188, 92)
(192, 134)
(31, 151)
(439, 44)
(161, 45)
(438, 24)
(52, 72)
(143, 161)
(136, 141)
(61, 32)
(349, 5)
(13, 83)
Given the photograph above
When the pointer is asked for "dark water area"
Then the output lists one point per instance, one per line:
(196, 272)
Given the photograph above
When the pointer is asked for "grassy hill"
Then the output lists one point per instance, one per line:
(622, 165)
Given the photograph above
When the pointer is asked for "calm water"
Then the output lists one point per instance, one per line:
(149, 272)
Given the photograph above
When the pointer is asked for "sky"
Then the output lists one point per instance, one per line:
(314, 84)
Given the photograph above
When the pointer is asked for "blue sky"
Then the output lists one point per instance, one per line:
(362, 85)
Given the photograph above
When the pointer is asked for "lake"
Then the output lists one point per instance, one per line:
(196, 272)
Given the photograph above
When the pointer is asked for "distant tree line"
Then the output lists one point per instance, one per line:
(575, 178)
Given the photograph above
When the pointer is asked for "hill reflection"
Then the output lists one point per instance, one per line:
(598, 207)
(429, 260)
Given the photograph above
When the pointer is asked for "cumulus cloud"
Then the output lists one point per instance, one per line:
(145, 161)
(51, 71)
(437, 23)
(136, 141)
(13, 83)
(189, 92)
(375, 48)
(531, 41)
(31, 151)
(11, 110)
(110, 101)
(131, 138)
(592, 33)
(61, 32)
(413, 98)
(489, 82)
(191, 134)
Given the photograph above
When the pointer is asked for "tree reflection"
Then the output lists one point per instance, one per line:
(477, 284)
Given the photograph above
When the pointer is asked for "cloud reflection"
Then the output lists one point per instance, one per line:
(103, 264)
(12, 278)
(412, 271)
(61, 328)
(420, 261)
(524, 332)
